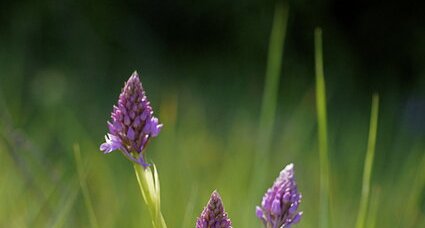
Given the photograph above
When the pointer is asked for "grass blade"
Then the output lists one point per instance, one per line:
(271, 87)
(66, 205)
(269, 103)
(373, 207)
(364, 200)
(83, 185)
(322, 131)
(412, 211)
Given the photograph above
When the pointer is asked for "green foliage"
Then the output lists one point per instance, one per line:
(41, 186)
(210, 136)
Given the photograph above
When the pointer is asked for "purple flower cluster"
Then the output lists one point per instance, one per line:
(133, 123)
(280, 203)
(213, 215)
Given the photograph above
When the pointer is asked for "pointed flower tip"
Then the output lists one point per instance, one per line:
(134, 76)
(281, 201)
(215, 194)
(290, 166)
(132, 122)
(214, 214)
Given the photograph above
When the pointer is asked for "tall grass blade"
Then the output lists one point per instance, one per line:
(83, 185)
(269, 102)
(412, 211)
(274, 60)
(373, 207)
(364, 200)
(322, 131)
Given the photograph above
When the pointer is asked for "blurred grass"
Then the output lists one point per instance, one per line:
(83, 185)
(368, 164)
(192, 160)
(272, 79)
(322, 131)
(198, 152)
(268, 109)
(373, 208)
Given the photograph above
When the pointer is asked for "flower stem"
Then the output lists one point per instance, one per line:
(150, 189)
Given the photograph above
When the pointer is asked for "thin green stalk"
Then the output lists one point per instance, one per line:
(364, 200)
(150, 189)
(269, 101)
(374, 206)
(274, 60)
(412, 211)
(322, 131)
(83, 185)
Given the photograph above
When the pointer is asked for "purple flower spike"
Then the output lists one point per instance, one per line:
(213, 215)
(280, 203)
(132, 124)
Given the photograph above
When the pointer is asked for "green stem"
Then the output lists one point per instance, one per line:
(361, 218)
(373, 207)
(322, 128)
(269, 101)
(150, 189)
(273, 71)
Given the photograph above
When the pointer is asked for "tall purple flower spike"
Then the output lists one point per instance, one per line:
(280, 203)
(213, 215)
(132, 124)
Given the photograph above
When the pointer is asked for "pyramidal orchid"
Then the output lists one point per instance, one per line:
(132, 126)
(280, 203)
(213, 215)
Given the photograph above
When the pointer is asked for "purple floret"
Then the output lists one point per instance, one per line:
(132, 124)
(213, 215)
(280, 203)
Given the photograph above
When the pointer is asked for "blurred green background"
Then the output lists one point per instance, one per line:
(203, 64)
